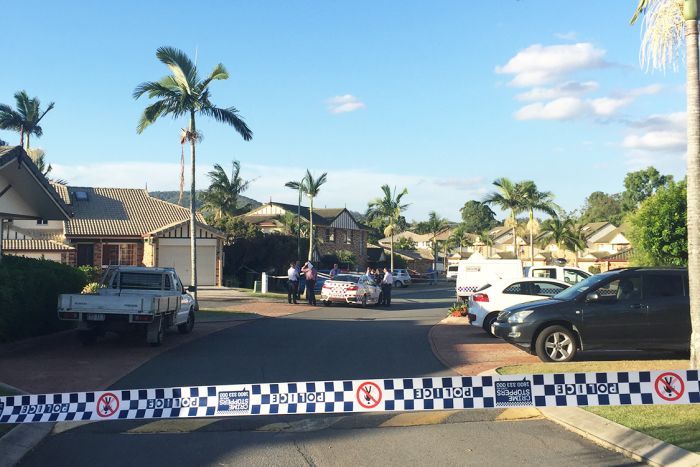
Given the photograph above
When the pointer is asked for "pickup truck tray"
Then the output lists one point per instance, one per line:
(119, 304)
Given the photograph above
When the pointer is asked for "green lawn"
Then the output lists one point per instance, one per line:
(675, 424)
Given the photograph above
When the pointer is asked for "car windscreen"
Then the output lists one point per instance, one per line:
(582, 287)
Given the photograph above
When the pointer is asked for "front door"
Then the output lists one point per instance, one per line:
(617, 319)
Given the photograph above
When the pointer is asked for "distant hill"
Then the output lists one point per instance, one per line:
(172, 197)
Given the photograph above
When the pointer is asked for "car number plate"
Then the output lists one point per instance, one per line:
(95, 316)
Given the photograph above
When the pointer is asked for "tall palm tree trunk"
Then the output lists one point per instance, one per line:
(391, 250)
(693, 112)
(515, 238)
(299, 226)
(27, 147)
(21, 136)
(193, 214)
(311, 227)
(532, 245)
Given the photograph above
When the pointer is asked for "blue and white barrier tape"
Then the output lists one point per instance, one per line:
(378, 395)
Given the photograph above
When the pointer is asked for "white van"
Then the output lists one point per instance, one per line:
(477, 271)
(452, 271)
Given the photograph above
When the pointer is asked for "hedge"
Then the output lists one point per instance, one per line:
(29, 290)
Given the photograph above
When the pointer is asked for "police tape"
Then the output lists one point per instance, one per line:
(375, 395)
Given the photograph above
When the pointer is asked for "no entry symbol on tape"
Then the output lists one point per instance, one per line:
(669, 386)
(369, 395)
(107, 405)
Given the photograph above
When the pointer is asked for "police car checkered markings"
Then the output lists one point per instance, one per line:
(390, 395)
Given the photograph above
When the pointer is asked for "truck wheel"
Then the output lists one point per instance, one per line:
(87, 336)
(555, 344)
(187, 326)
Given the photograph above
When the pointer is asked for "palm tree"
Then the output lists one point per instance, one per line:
(486, 238)
(25, 120)
(561, 232)
(387, 208)
(310, 186)
(435, 224)
(535, 200)
(223, 192)
(297, 186)
(459, 238)
(577, 240)
(38, 156)
(665, 24)
(508, 197)
(184, 94)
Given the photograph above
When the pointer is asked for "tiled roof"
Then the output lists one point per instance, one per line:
(34, 245)
(610, 236)
(119, 212)
(592, 227)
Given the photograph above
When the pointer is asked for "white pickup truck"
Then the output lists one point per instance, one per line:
(152, 298)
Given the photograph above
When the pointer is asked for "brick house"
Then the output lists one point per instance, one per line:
(335, 229)
(123, 226)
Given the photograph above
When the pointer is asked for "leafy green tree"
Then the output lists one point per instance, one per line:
(389, 208)
(509, 197)
(236, 228)
(460, 238)
(477, 216)
(436, 224)
(25, 119)
(222, 195)
(666, 24)
(640, 185)
(659, 233)
(405, 243)
(535, 200)
(184, 94)
(602, 207)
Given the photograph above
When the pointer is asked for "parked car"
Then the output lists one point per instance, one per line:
(490, 299)
(635, 308)
(401, 278)
(129, 296)
(351, 288)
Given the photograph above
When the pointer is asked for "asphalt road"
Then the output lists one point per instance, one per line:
(323, 344)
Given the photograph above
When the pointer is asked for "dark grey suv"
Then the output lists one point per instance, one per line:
(635, 308)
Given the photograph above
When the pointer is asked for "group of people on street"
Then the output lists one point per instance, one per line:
(294, 275)
(385, 281)
(309, 274)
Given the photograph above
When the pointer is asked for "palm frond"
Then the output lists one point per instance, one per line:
(230, 117)
(182, 68)
(219, 72)
(663, 33)
(150, 115)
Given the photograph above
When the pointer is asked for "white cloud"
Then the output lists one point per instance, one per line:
(658, 140)
(565, 108)
(343, 189)
(344, 103)
(538, 65)
(568, 89)
(569, 108)
(566, 36)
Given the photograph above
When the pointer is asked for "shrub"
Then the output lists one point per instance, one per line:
(29, 290)
(92, 273)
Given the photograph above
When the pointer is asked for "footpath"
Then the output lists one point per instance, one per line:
(59, 363)
(469, 351)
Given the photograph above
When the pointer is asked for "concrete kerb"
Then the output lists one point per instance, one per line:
(616, 437)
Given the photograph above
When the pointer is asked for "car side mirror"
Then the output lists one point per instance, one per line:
(191, 288)
(593, 297)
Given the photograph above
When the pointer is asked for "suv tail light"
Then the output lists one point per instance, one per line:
(480, 297)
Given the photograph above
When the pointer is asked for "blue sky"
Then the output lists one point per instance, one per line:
(440, 97)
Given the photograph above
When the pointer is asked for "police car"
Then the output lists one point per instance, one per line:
(354, 289)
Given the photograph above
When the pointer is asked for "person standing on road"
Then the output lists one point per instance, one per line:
(296, 266)
(293, 283)
(387, 283)
(335, 271)
(310, 275)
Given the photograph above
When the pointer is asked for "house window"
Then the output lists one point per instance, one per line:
(330, 235)
(119, 254)
(348, 237)
(85, 254)
(80, 195)
(42, 222)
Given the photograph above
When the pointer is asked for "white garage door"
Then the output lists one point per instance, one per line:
(178, 257)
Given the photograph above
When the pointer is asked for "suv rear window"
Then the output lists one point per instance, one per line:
(663, 285)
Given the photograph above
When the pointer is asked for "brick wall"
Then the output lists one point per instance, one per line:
(358, 245)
